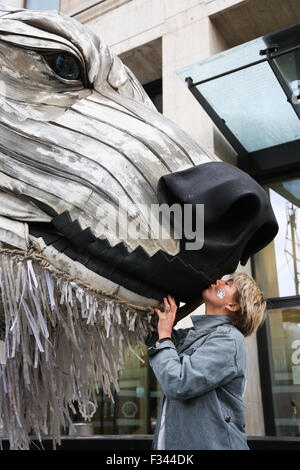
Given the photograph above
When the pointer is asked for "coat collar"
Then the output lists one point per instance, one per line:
(205, 322)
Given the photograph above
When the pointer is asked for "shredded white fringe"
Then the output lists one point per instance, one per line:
(63, 342)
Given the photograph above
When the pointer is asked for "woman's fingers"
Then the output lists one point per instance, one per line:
(167, 317)
(172, 301)
(159, 312)
(167, 306)
(170, 306)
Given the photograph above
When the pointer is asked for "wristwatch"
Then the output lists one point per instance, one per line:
(161, 340)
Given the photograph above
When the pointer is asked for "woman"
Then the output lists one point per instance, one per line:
(202, 370)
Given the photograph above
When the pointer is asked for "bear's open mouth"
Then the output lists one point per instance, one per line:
(116, 263)
(152, 277)
(131, 274)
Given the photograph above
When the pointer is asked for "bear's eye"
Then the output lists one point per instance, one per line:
(65, 65)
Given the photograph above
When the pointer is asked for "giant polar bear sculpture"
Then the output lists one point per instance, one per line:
(78, 133)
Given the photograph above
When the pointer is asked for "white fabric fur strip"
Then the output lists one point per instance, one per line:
(62, 343)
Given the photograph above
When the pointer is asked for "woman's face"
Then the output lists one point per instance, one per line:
(221, 293)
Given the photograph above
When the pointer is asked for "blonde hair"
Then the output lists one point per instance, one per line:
(252, 304)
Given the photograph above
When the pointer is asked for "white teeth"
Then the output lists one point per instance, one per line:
(221, 293)
(100, 284)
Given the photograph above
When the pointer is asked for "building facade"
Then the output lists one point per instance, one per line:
(156, 39)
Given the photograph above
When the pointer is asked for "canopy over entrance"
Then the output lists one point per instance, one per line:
(252, 93)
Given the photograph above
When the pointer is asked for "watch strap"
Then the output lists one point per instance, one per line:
(161, 340)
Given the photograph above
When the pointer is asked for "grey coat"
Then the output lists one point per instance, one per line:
(203, 377)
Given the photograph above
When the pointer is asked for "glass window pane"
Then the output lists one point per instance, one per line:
(225, 61)
(132, 397)
(278, 265)
(42, 4)
(254, 106)
(283, 327)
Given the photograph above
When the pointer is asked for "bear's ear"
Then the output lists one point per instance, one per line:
(118, 75)
(122, 80)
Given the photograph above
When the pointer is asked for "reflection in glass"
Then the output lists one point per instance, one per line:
(278, 265)
(283, 327)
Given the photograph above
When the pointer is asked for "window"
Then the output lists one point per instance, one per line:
(43, 4)
(278, 266)
(283, 329)
(277, 271)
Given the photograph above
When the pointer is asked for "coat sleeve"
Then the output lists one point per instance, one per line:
(177, 336)
(207, 367)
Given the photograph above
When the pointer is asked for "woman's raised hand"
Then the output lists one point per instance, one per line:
(166, 319)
